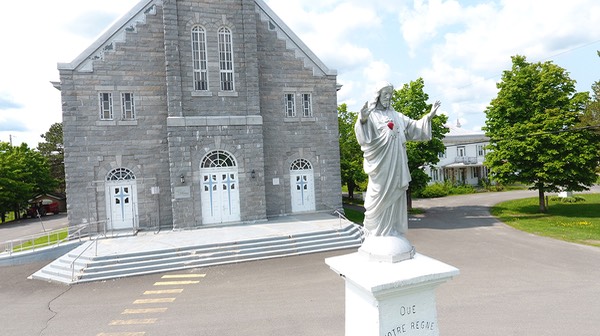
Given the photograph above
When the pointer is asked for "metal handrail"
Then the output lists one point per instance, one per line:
(19, 245)
(363, 232)
(94, 242)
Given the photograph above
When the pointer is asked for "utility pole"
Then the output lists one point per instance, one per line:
(10, 136)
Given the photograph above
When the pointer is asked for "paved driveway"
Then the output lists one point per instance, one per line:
(511, 282)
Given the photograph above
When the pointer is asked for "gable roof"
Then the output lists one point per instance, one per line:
(128, 23)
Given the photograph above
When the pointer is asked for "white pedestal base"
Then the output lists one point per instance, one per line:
(391, 299)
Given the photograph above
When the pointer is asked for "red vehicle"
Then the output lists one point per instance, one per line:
(41, 209)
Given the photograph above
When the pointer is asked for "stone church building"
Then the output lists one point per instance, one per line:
(198, 112)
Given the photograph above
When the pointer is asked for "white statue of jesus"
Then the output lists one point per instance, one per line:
(382, 134)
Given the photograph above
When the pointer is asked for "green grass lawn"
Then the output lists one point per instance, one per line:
(50, 239)
(574, 222)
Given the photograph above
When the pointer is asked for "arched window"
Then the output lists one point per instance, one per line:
(226, 59)
(199, 58)
(120, 174)
(218, 159)
(300, 164)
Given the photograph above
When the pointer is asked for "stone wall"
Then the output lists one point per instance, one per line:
(287, 139)
(93, 147)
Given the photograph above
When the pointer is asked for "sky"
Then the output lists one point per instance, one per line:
(459, 47)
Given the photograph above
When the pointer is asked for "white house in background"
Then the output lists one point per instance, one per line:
(462, 161)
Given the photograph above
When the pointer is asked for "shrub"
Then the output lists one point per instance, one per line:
(434, 190)
(573, 199)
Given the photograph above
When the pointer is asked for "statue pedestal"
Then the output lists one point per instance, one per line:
(391, 299)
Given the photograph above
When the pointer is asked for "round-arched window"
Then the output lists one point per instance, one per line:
(119, 174)
(300, 164)
(218, 159)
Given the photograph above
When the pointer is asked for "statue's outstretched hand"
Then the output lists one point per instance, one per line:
(364, 113)
(434, 108)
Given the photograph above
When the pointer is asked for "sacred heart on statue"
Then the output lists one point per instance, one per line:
(391, 125)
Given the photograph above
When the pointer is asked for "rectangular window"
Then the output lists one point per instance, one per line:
(290, 105)
(106, 106)
(460, 151)
(307, 105)
(226, 60)
(480, 150)
(199, 59)
(128, 107)
(442, 155)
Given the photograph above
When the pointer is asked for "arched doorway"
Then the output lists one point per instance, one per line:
(302, 186)
(121, 199)
(220, 196)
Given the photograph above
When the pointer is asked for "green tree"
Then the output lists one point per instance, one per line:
(351, 158)
(53, 150)
(591, 115)
(531, 128)
(23, 174)
(411, 100)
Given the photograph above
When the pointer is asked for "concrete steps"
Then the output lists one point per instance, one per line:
(89, 267)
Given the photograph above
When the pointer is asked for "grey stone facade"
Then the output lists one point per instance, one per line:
(148, 53)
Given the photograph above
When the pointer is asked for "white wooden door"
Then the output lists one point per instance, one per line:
(122, 205)
(303, 190)
(220, 196)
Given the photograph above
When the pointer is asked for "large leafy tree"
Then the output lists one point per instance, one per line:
(53, 150)
(531, 125)
(591, 116)
(411, 100)
(351, 158)
(23, 173)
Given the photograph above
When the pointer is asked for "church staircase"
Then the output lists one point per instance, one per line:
(81, 265)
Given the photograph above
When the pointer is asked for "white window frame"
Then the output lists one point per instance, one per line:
(290, 105)
(307, 111)
(106, 105)
(226, 70)
(480, 150)
(199, 59)
(127, 106)
(461, 151)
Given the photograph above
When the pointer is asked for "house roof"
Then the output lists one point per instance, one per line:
(458, 135)
(128, 23)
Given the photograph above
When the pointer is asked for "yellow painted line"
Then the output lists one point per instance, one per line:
(175, 283)
(133, 321)
(164, 291)
(145, 301)
(182, 276)
(141, 333)
(144, 311)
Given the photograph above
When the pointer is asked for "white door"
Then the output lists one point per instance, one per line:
(303, 190)
(122, 205)
(220, 196)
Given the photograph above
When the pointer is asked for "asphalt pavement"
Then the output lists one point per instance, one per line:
(511, 283)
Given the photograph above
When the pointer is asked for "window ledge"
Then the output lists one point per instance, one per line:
(202, 94)
(106, 122)
(228, 94)
(127, 123)
(309, 119)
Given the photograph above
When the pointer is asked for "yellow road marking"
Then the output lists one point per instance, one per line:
(175, 283)
(144, 311)
(141, 333)
(182, 276)
(163, 300)
(133, 321)
(164, 291)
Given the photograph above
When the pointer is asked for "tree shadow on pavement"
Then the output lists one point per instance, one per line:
(448, 218)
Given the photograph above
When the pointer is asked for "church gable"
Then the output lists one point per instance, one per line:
(117, 33)
(174, 83)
